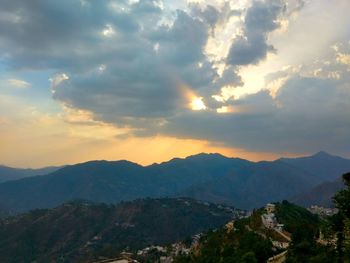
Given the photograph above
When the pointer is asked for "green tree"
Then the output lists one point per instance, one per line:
(249, 258)
(340, 221)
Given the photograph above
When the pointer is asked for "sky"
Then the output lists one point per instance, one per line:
(149, 80)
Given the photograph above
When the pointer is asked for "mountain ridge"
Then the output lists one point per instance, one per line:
(209, 177)
(9, 173)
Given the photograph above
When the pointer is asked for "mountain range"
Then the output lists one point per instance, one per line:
(209, 177)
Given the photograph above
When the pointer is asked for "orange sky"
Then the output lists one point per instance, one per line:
(45, 143)
(31, 137)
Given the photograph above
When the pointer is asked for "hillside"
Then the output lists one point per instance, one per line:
(328, 168)
(80, 231)
(254, 185)
(248, 240)
(9, 174)
(294, 217)
(320, 195)
(323, 166)
(4, 212)
(210, 177)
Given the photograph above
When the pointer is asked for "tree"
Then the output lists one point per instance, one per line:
(341, 219)
(249, 257)
(342, 198)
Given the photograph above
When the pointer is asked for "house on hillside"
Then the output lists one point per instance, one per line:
(269, 220)
(270, 208)
(279, 227)
(279, 244)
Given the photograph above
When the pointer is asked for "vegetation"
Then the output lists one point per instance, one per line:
(295, 217)
(81, 231)
(250, 241)
(241, 245)
(335, 243)
(341, 221)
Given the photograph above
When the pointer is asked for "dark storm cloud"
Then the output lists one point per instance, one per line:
(145, 72)
(143, 62)
(252, 47)
(65, 34)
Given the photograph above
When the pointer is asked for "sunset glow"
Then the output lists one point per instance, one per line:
(198, 104)
(177, 77)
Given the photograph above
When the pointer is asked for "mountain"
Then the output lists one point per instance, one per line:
(320, 195)
(323, 166)
(232, 179)
(328, 169)
(81, 231)
(8, 173)
(253, 185)
(210, 177)
(99, 181)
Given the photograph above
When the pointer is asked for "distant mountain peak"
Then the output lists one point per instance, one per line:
(105, 162)
(205, 155)
(320, 154)
(323, 154)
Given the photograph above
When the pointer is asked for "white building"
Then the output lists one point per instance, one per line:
(269, 220)
(270, 208)
(279, 227)
(282, 245)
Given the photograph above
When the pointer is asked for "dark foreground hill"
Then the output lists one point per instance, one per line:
(210, 177)
(82, 231)
(248, 240)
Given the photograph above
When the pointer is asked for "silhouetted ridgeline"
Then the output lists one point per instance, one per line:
(210, 177)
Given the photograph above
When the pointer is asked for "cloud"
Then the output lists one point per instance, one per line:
(147, 55)
(143, 77)
(72, 137)
(149, 68)
(18, 83)
(306, 115)
(137, 80)
(137, 65)
(252, 47)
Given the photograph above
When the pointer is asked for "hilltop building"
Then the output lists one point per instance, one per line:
(270, 208)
